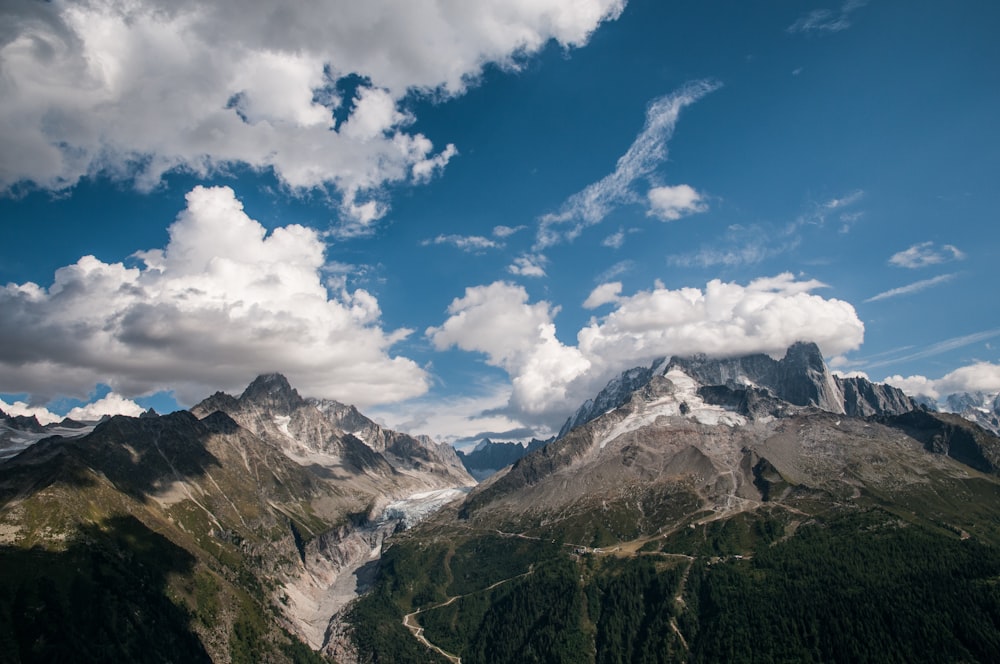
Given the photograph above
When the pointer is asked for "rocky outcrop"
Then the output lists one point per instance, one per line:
(863, 398)
(951, 435)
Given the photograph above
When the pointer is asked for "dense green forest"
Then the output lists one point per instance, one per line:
(121, 592)
(857, 586)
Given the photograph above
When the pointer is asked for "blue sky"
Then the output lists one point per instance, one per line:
(465, 221)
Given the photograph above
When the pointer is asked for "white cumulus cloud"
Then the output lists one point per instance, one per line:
(603, 294)
(109, 404)
(21, 409)
(528, 265)
(977, 377)
(136, 89)
(519, 337)
(672, 203)
(223, 301)
(551, 378)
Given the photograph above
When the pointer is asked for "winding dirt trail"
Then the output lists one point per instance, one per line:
(410, 619)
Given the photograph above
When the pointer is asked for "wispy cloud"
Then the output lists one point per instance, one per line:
(592, 204)
(615, 271)
(506, 231)
(528, 265)
(469, 243)
(924, 254)
(741, 245)
(827, 20)
(615, 240)
(915, 287)
(475, 243)
(938, 348)
(818, 213)
(848, 219)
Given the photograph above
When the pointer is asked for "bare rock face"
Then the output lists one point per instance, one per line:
(863, 398)
(617, 392)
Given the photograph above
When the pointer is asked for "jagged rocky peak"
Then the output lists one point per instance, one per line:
(801, 377)
(755, 385)
(272, 391)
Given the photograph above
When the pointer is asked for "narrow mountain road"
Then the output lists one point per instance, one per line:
(410, 619)
(410, 622)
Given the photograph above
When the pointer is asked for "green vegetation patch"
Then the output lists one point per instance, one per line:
(862, 587)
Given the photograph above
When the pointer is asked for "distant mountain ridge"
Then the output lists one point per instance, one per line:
(18, 432)
(490, 456)
(980, 407)
(688, 401)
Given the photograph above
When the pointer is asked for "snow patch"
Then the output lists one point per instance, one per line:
(282, 422)
(683, 402)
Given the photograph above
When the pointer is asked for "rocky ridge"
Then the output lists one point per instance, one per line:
(489, 456)
(800, 378)
(18, 432)
(727, 435)
(327, 432)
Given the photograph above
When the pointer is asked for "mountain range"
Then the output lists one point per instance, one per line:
(231, 532)
(699, 509)
(735, 509)
(489, 456)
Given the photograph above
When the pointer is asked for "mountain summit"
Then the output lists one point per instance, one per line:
(272, 391)
(800, 378)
